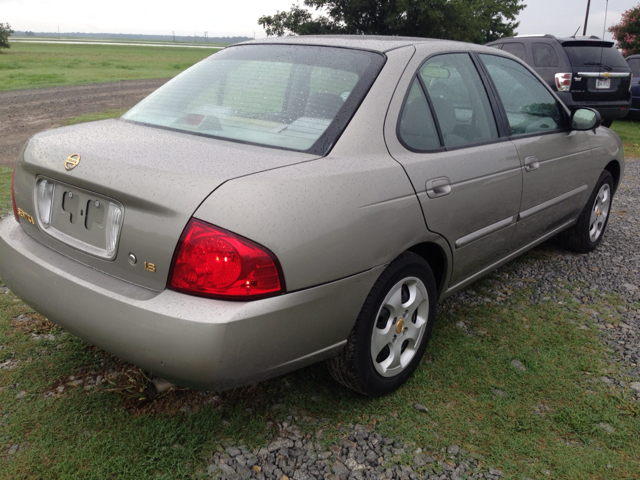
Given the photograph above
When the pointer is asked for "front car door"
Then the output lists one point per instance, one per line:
(441, 127)
(557, 163)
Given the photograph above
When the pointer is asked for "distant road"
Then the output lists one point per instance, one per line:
(181, 45)
(25, 112)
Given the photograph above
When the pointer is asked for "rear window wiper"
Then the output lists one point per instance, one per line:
(606, 67)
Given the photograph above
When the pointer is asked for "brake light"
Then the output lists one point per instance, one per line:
(212, 262)
(563, 82)
(13, 194)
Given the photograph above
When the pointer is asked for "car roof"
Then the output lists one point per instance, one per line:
(563, 40)
(377, 43)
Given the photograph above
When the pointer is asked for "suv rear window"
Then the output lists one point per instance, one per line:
(587, 56)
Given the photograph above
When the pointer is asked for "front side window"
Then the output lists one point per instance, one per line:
(544, 55)
(293, 97)
(529, 106)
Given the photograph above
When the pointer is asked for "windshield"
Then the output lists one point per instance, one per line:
(292, 97)
(585, 56)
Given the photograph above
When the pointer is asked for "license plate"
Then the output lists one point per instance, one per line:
(602, 84)
(82, 219)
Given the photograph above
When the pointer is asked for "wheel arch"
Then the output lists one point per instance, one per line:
(437, 259)
(613, 167)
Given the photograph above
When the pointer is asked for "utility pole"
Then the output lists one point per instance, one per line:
(174, 35)
(205, 37)
(58, 32)
(586, 19)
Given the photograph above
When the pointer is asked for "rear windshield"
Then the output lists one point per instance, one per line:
(634, 63)
(292, 97)
(587, 56)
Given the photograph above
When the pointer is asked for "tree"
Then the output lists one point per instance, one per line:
(5, 32)
(627, 32)
(478, 21)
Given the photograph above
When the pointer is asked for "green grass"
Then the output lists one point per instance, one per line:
(91, 117)
(5, 190)
(549, 420)
(629, 132)
(36, 65)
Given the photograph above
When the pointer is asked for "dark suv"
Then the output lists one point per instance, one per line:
(584, 71)
(634, 63)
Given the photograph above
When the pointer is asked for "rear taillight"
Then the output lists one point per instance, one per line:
(563, 82)
(13, 194)
(215, 263)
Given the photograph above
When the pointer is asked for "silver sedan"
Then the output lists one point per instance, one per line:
(301, 199)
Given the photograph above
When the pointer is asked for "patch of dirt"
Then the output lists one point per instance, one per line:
(129, 383)
(26, 112)
(33, 323)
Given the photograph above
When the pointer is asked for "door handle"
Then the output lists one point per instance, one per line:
(531, 164)
(438, 187)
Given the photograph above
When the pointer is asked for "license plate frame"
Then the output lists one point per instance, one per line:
(84, 220)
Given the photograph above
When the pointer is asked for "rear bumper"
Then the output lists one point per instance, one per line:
(195, 342)
(608, 110)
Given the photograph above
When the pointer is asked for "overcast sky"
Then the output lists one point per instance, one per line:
(221, 18)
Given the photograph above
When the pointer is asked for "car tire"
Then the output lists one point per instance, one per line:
(392, 330)
(587, 233)
(606, 122)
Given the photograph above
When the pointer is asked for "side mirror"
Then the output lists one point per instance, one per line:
(585, 119)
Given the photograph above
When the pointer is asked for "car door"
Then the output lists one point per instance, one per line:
(556, 161)
(441, 128)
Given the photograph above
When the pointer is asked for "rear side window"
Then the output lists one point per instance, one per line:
(586, 56)
(459, 99)
(529, 106)
(515, 48)
(634, 64)
(417, 128)
(544, 55)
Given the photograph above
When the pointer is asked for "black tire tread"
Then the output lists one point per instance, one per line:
(341, 366)
(576, 238)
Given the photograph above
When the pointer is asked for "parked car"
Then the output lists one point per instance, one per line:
(634, 65)
(583, 71)
(292, 200)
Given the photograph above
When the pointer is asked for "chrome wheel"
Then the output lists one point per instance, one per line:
(599, 212)
(400, 325)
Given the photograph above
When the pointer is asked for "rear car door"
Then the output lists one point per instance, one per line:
(556, 161)
(442, 129)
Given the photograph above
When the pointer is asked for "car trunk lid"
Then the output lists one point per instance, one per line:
(156, 177)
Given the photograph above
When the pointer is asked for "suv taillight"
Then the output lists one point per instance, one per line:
(212, 262)
(563, 82)
(13, 194)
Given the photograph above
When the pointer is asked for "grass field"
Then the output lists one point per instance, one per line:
(629, 132)
(35, 65)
